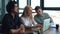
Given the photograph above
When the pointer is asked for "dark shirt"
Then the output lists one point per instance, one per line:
(9, 22)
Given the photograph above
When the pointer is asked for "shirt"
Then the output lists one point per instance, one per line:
(28, 22)
(39, 19)
(9, 22)
(46, 16)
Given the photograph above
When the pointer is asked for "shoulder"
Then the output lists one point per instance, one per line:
(21, 17)
(5, 19)
(35, 16)
(6, 16)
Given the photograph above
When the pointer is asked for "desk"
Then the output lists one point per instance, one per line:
(34, 31)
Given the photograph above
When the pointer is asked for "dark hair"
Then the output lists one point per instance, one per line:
(37, 7)
(10, 6)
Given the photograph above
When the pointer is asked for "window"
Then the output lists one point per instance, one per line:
(15, 0)
(33, 10)
(35, 3)
(55, 15)
(6, 2)
(0, 12)
(20, 15)
(33, 14)
(20, 11)
(0, 4)
(51, 3)
(22, 3)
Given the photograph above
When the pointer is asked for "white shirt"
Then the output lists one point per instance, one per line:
(28, 22)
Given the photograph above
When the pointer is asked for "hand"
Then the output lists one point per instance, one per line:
(22, 26)
(22, 29)
(39, 26)
(22, 32)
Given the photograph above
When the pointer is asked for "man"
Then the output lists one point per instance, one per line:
(46, 16)
(11, 24)
(38, 17)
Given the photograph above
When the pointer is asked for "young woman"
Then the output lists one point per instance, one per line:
(28, 20)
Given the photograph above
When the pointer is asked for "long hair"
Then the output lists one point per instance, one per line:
(25, 11)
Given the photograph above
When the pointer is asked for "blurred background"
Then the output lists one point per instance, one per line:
(51, 9)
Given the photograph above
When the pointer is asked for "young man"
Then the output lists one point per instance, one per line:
(38, 17)
(11, 24)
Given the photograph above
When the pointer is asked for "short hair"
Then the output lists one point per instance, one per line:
(10, 6)
(37, 7)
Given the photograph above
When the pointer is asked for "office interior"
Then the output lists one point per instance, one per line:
(50, 8)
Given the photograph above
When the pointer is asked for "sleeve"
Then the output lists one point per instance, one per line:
(51, 20)
(34, 22)
(6, 23)
(37, 20)
(20, 21)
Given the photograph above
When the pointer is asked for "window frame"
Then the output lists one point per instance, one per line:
(20, 8)
(41, 5)
(0, 5)
(49, 8)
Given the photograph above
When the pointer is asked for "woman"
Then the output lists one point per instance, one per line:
(28, 19)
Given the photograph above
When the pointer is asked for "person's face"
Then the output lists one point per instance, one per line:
(29, 11)
(39, 11)
(15, 8)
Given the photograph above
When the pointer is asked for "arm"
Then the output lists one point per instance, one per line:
(21, 30)
(14, 31)
(36, 24)
(30, 27)
(51, 20)
(8, 26)
(37, 20)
